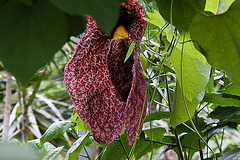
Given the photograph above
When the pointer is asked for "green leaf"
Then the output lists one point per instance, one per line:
(183, 11)
(129, 52)
(219, 40)
(222, 99)
(211, 5)
(230, 155)
(105, 12)
(143, 146)
(40, 151)
(157, 133)
(179, 113)
(195, 75)
(74, 116)
(226, 114)
(54, 131)
(115, 149)
(81, 125)
(77, 147)
(53, 154)
(156, 19)
(232, 89)
(195, 69)
(30, 36)
(190, 140)
(157, 116)
(210, 132)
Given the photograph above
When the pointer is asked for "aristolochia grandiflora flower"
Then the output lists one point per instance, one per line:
(106, 92)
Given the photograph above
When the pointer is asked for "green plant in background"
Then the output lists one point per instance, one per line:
(190, 57)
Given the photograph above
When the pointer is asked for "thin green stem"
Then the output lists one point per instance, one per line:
(87, 153)
(179, 146)
(222, 140)
(199, 142)
(36, 88)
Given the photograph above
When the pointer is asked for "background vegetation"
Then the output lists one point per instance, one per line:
(190, 54)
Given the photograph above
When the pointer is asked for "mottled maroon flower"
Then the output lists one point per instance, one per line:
(106, 92)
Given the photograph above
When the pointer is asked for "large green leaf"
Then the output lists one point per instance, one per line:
(183, 11)
(105, 12)
(219, 39)
(195, 74)
(54, 131)
(30, 35)
(77, 147)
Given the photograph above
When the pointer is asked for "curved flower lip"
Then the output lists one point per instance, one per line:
(107, 93)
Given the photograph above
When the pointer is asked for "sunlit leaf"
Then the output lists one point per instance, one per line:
(129, 52)
(195, 75)
(219, 39)
(54, 131)
(77, 147)
(81, 125)
(212, 6)
(156, 19)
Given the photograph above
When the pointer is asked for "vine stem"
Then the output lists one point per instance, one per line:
(199, 142)
(87, 153)
(179, 146)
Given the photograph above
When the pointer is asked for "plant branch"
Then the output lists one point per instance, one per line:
(199, 142)
(7, 109)
(179, 146)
